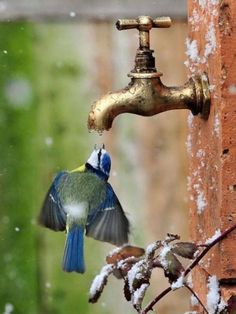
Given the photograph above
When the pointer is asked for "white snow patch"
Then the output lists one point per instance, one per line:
(232, 89)
(214, 2)
(190, 120)
(217, 125)
(202, 164)
(202, 3)
(201, 202)
(115, 250)
(178, 283)
(139, 294)
(189, 183)
(135, 272)
(210, 37)
(189, 143)
(200, 153)
(151, 248)
(215, 236)
(9, 308)
(99, 280)
(192, 50)
(195, 20)
(213, 296)
(193, 300)
(162, 256)
(222, 305)
(212, 87)
(190, 280)
(76, 210)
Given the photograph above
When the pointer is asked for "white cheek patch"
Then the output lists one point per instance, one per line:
(93, 159)
(76, 210)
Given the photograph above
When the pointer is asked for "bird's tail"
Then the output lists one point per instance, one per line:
(73, 259)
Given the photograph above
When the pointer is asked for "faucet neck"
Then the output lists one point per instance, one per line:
(144, 65)
(144, 61)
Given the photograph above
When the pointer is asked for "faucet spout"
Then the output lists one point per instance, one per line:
(148, 96)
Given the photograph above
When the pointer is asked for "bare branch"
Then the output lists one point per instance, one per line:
(196, 296)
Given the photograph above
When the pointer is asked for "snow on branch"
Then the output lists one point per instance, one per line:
(134, 266)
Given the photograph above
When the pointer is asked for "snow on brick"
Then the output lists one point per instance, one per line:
(217, 125)
(192, 50)
(210, 37)
(202, 3)
(214, 237)
(201, 202)
(232, 89)
(215, 304)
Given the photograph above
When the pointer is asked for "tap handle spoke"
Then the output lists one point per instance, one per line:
(144, 24)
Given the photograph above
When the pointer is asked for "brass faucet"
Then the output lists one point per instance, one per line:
(146, 95)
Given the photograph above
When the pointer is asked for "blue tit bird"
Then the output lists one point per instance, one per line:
(82, 201)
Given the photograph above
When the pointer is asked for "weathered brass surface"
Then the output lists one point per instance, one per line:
(146, 95)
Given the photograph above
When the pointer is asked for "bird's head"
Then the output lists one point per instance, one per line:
(100, 161)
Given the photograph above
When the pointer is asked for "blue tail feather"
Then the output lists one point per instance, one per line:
(73, 259)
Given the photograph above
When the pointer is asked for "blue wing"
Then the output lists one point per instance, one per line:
(52, 214)
(108, 222)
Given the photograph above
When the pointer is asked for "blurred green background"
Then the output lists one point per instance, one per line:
(50, 74)
(45, 99)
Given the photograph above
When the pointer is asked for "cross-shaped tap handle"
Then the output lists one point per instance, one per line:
(144, 24)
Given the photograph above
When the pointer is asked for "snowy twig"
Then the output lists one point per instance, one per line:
(208, 246)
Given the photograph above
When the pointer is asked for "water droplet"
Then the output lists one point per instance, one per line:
(17, 229)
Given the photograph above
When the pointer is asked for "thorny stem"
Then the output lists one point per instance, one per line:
(196, 296)
(149, 307)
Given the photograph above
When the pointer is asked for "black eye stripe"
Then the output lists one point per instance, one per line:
(99, 157)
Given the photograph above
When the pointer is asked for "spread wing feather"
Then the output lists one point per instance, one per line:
(52, 214)
(108, 222)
